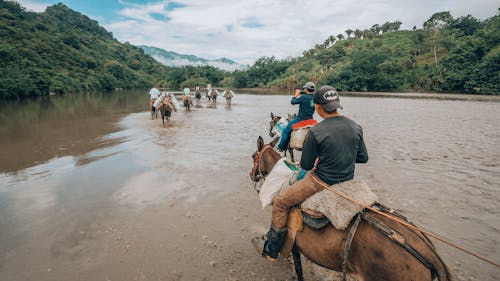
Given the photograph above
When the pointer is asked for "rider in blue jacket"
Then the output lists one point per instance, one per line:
(306, 110)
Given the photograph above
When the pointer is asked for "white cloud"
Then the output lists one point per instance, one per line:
(33, 5)
(258, 28)
(285, 28)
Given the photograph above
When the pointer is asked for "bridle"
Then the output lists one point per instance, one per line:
(255, 174)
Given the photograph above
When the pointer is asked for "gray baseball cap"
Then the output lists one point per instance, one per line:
(309, 86)
(328, 98)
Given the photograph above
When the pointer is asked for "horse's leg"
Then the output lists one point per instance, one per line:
(297, 263)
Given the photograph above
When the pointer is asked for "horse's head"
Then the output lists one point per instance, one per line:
(263, 159)
(272, 123)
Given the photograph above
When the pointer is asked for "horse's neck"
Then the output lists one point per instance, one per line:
(271, 159)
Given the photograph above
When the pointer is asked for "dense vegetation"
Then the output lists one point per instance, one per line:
(61, 51)
(447, 55)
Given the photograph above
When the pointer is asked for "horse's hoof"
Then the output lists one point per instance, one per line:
(258, 243)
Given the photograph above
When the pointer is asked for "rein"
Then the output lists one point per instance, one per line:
(413, 227)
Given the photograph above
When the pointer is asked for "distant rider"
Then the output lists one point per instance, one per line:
(334, 146)
(187, 94)
(197, 94)
(154, 93)
(306, 110)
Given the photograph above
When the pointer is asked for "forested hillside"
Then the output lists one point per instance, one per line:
(63, 51)
(447, 55)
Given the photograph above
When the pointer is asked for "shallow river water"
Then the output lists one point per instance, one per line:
(92, 189)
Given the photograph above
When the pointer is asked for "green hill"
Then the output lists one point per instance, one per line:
(61, 51)
(447, 55)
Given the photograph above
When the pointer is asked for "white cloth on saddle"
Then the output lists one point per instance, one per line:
(276, 181)
(338, 210)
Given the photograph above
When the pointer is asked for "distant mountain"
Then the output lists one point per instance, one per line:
(62, 51)
(169, 58)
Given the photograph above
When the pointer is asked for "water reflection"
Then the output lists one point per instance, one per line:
(34, 131)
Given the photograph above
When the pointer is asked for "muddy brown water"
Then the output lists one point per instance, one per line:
(92, 189)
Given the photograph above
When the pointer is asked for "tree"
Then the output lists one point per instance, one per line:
(340, 37)
(375, 29)
(434, 25)
(438, 20)
(385, 27)
(396, 25)
(358, 33)
(348, 32)
(465, 26)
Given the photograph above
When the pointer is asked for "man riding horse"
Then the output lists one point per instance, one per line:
(186, 98)
(306, 111)
(154, 93)
(332, 148)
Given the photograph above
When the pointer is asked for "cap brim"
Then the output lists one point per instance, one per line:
(331, 106)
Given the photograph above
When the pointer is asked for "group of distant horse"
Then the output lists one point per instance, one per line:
(166, 106)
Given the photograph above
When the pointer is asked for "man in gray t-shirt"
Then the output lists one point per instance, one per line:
(332, 148)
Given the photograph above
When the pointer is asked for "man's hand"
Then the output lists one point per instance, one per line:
(297, 92)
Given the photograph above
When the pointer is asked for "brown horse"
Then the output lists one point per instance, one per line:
(187, 102)
(166, 109)
(373, 255)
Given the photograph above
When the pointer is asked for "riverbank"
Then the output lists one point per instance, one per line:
(406, 95)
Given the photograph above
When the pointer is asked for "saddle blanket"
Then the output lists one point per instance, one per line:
(299, 133)
(338, 210)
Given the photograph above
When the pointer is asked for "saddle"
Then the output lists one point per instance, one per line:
(326, 207)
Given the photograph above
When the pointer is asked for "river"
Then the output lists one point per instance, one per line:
(92, 189)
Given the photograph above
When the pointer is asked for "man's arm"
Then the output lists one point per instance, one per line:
(295, 100)
(309, 152)
(296, 97)
(362, 155)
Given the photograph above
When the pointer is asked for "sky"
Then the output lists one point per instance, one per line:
(245, 30)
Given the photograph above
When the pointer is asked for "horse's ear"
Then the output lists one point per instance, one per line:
(260, 143)
(272, 116)
(290, 116)
(274, 142)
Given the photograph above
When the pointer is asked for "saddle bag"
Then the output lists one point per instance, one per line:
(159, 100)
(299, 133)
(279, 127)
(174, 101)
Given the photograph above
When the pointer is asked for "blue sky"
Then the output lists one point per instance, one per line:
(246, 30)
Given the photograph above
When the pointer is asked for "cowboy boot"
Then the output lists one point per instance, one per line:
(275, 240)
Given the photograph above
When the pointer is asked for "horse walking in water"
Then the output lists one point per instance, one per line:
(379, 249)
(197, 98)
(187, 102)
(154, 113)
(166, 109)
(274, 120)
(228, 95)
